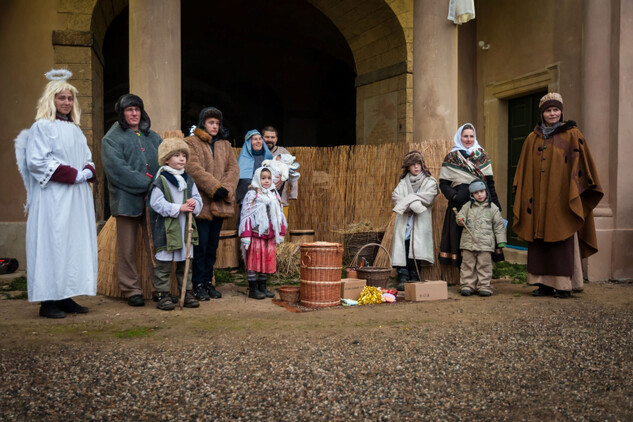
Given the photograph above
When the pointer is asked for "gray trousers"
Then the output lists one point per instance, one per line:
(476, 271)
(163, 271)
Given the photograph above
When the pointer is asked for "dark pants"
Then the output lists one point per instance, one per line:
(204, 253)
(410, 268)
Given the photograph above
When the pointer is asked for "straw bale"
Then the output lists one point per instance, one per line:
(107, 279)
(288, 259)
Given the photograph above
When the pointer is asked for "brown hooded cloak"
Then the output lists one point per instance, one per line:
(557, 187)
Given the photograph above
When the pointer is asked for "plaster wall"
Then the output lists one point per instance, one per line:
(519, 45)
(27, 53)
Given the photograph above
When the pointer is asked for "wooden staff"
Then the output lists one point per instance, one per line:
(150, 237)
(467, 229)
(187, 259)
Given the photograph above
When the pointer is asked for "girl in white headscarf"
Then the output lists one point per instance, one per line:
(262, 228)
(466, 162)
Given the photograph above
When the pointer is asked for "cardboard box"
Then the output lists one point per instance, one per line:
(351, 288)
(426, 291)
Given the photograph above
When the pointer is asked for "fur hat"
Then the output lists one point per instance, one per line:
(476, 186)
(131, 100)
(209, 112)
(411, 158)
(552, 99)
(169, 147)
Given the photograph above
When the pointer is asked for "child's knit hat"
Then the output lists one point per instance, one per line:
(169, 147)
(476, 186)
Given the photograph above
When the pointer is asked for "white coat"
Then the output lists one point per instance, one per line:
(417, 204)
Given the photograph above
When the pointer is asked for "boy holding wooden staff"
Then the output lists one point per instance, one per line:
(173, 195)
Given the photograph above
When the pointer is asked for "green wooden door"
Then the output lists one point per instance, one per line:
(523, 115)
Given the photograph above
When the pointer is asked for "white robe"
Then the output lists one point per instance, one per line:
(61, 235)
(422, 222)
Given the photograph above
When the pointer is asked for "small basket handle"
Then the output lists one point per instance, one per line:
(304, 257)
(353, 263)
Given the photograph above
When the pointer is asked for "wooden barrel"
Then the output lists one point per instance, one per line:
(320, 274)
(302, 236)
(228, 250)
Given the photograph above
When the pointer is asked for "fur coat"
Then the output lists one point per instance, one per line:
(211, 170)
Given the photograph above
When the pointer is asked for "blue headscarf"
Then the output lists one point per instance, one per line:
(246, 160)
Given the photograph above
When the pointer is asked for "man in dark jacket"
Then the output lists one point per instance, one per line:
(129, 152)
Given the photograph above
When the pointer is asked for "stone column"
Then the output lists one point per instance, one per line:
(622, 156)
(155, 60)
(596, 123)
(434, 71)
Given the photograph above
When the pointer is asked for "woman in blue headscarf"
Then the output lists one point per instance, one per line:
(254, 151)
(466, 162)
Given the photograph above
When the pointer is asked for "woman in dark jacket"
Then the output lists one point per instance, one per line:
(466, 162)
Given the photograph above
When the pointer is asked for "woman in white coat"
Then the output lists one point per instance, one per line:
(413, 199)
(56, 165)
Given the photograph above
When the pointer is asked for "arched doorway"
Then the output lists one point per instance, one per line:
(279, 63)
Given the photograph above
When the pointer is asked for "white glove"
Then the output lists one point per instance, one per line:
(88, 174)
(83, 176)
(416, 207)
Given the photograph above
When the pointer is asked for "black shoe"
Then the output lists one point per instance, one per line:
(135, 300)
(485, 293)
(71, 307)
(262, 288)
(201, 292)
(562, 294)
(543, 290)
(50, 309)
(213, 293)
(190, 301)
(402, 278)
(174, 299)
(164, 302)
(466, 292)
(253, 292)
(413, 276)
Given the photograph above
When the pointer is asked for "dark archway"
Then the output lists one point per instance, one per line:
(116, 66)
(281, 63)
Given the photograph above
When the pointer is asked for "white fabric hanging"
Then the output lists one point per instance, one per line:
(461, 11)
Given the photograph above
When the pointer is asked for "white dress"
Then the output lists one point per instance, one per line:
(61, 236)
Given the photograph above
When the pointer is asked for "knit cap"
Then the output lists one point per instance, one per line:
(476, 186)
(552, 99)
(169, 147)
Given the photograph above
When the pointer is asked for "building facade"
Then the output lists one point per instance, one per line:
(334, 72)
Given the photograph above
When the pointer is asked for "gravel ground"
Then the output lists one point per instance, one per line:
(515, 358)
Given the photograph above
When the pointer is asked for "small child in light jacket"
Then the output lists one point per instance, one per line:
(173, 194)
(413, 199)
(262, 228)
(484, 232)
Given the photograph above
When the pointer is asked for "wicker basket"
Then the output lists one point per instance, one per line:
(375, 276)
(355, 241)
(289, 294)
(320, 274)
